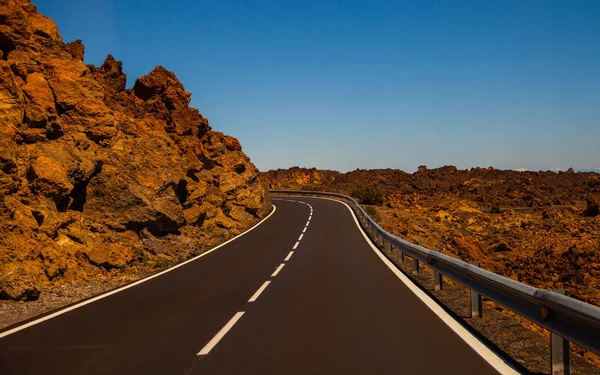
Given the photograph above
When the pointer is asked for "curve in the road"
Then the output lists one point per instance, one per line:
(215, 340)
(300, 293)
(483, 350)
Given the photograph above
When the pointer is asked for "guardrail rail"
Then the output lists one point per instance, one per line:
(567, 319)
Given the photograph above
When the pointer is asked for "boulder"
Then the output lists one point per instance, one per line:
(19, 283)
(49, 178)
(40, 101)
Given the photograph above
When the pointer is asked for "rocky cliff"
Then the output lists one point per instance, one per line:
(97, 179)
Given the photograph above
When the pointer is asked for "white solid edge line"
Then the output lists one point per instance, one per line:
(259, 291)
(296, 245)
(215, 340)
(278, 270)
(479, 347)
(300, 238)
(289, 256)
(107, 294)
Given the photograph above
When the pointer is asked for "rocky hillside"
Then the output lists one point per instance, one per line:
(542, 228)
(97, 180)
(487, 187)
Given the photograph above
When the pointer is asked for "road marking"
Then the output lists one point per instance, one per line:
(479, 347)
(259, 291)
(115, 291)
(278, 270)
(215, 340)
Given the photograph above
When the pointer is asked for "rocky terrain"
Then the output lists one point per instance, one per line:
(101, 182)
(541, 228)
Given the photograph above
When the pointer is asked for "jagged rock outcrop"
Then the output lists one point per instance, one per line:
(97, 179)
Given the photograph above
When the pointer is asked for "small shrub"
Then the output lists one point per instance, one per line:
(373, 213)
(161, 264)
(369, 195)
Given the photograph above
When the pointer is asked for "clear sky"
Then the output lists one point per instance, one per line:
(370, 84)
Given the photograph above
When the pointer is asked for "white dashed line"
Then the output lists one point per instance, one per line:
(215, 340)
(259, 291)
(278, 270)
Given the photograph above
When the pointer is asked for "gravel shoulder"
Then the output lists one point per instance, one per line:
(13, 312)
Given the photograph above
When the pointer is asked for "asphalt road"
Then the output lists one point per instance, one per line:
(253, 307)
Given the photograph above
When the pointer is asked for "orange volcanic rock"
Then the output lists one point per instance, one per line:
(97, 179)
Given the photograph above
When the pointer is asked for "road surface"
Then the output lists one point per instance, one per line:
(301, 293)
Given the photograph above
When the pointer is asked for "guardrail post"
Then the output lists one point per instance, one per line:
(438, 283)
(389, 247)
(415, 267)
(560, 353)
(476, 305)
(400, 256)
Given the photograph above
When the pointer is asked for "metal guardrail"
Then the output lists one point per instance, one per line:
(565, 317)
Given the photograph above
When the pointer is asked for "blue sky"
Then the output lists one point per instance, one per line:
(370, 84)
